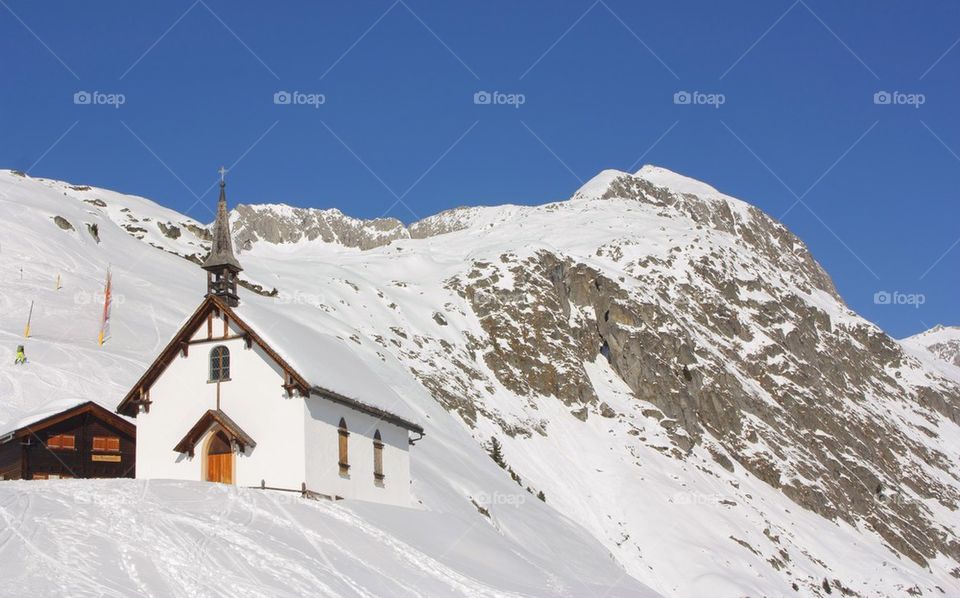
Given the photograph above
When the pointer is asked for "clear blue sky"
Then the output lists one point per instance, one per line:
(399, 133)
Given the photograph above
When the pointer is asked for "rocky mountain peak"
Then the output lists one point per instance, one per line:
(280, 224)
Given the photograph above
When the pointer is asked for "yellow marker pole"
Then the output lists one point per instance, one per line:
(58, 282)
(26, 331)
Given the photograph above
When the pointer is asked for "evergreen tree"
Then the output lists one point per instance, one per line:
(496, 452)
(542, 496)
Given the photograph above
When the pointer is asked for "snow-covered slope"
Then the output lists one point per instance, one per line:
(943, 342)
(667, 364)
(123, 538)
(481, 532)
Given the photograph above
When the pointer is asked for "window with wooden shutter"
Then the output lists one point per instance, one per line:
(377, 457)
(106, 444)
(344, 459)
(64, 442)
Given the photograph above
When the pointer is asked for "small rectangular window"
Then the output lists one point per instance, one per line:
(106, 443)
(64, 442)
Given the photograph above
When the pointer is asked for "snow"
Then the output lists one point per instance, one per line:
(120, 538)
(323, 359)
(596, 186)
(922, 346)
(661, 177)
(48, 409)
(620, 509)
(165, 538)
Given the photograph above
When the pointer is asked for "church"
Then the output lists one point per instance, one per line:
(241, 395)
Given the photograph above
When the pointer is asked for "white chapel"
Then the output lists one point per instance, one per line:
(227, 401)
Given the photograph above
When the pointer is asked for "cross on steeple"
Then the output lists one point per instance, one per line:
(223, 171)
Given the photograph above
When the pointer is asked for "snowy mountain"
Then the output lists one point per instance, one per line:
(667, 364)
(942, 342)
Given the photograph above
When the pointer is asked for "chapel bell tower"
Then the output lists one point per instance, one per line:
(223, 268)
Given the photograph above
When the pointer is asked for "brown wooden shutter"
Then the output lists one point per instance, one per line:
(344, 460)
(378, 459)
(344, 457)
(62, 441)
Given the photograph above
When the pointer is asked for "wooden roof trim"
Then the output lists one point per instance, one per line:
(88, 407)
(210, 303)
(376, 412)
(166, 356)
(213, 417)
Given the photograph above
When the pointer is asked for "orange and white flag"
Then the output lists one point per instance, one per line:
(105, 320)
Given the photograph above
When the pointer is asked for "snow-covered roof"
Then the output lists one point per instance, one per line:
(48, 410)
(329, 366)
(325, 360)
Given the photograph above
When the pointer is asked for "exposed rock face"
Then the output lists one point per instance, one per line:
(280, 224)
(94, 231)
(63, 223)
(284, 224)
(735, 349)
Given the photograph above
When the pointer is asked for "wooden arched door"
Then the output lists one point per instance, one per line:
(219, 459)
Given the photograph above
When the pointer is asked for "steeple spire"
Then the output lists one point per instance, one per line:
(221, 264)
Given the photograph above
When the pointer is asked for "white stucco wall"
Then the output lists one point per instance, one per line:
(253, 398)
(297, 438)
(323, 471)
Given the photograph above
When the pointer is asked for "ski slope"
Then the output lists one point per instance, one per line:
(121, 538)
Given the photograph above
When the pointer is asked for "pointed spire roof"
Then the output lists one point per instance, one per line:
(221, 251)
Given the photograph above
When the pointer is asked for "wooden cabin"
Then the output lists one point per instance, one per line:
(83, 441)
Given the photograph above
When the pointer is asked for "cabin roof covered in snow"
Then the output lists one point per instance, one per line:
(57, 411)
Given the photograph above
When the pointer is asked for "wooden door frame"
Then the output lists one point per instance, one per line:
(205, 457)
